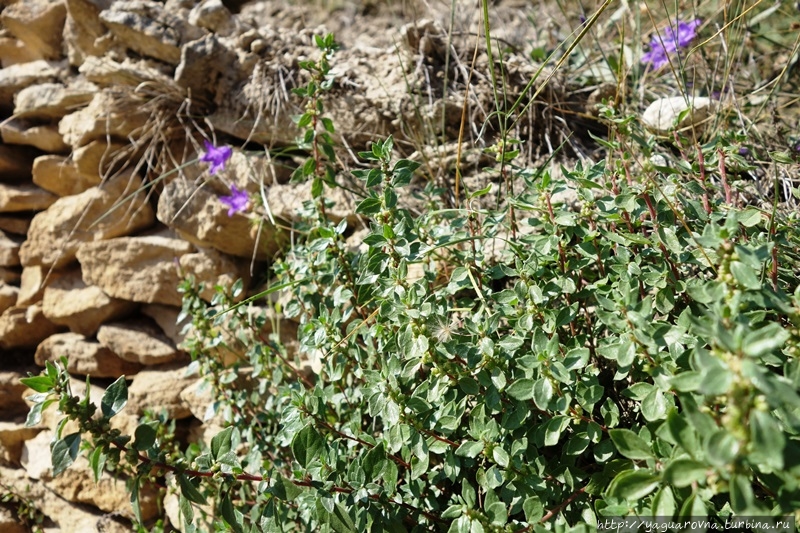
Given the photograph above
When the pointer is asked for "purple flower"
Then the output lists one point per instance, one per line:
(661, 46)
(236, 202)
(216, 156)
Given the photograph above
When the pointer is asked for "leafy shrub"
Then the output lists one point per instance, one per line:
(530, 364)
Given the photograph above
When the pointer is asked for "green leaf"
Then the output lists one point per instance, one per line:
(374, 461)
(533, 509)
(232, 517)
(633, 484)
(768, 441)
(369, 206)
(283, 489)
(145, 435)
(470, 449)
(115, 397)
(307, 444)
(630, 444)
(721, 448)
(189, 491)
(63, 452)
(745, 276)
(542, 393)
(683, 472)
(221, 442)
(522, 389)
(764, 340)
(97, 462)
(39, 383)
(654, 406)
(500, 456)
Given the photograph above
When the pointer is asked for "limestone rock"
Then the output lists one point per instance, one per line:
(14, 198)
(160, 388)
(38, 24)
(9, 275)
(99, 158)
(166, 316)
(202, 63)
(67, 517)
(660, 117)
(213, 16)
(83, 30)
(45, 137)
(69, 302)
(12, 392)
(200, 218)
(9, 250)
(106, 72)
(140, 341)
(33, 282)
(16, 77)
(8, 298)
(211, 268)
(85, 357)
(110, 113)
(12, 435)
(16, 163)
(139, 269)
(14, 224)
(56, 233)
(76, 484)
(24, 327)
(60, 176)
(53, 100)
(149, 29)
(13, 51)
(286, 200)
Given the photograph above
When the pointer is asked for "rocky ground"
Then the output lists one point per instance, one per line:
(103, 105)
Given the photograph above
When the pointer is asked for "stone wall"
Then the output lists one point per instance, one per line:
(105, 106)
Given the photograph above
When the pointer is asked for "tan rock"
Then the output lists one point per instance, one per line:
(53, 100)
(213, 269)
(139, 269)
(10, 523)
(38, 24)
(149, 29)
(12, 392)
(99, 159)
(9, 275)
(106, 72)
(661, 116)
(83, 30)
(44, 137)
(76, 484)
(202, 63)
(110, 113)
(139, 341)
(285, 202)
(12, 435)
(60, 176)
(15, 198)
(35, 279)
(85, 357)
(213, 16)
(67, 517)
(69, 302)
(9, 249)
(159, 388)
(103, 212)
(8, 298)
(16, 224)
(201, 218)
(13, 51)
(166, 316)
(16, 77)
(24, 327)
(15, 163)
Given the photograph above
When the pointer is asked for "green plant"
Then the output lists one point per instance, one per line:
(520, 365)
